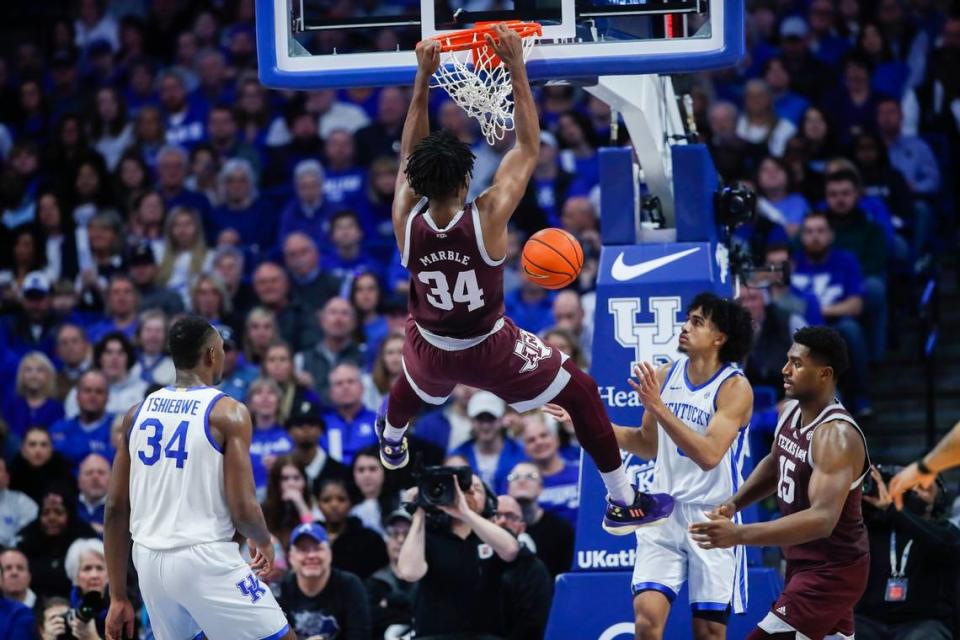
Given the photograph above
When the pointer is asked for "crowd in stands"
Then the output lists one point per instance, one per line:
(146, 173)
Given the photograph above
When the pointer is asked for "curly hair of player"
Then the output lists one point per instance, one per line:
(439, 166)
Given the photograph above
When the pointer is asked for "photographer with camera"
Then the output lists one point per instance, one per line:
(459, 563)
(914, 557)
(86, 566)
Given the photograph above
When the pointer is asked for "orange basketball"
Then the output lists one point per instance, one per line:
(552, 258)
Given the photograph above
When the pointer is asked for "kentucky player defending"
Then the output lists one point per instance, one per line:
(182, 488)
(817, 466)
(456, 332)
(695, 419)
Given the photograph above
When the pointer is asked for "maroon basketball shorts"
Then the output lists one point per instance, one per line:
(509, 362)
(817, 601)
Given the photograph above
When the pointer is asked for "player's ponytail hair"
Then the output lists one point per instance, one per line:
(439, 166)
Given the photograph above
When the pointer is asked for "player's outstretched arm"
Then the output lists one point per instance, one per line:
(231, 420)
(762, 482)
(838, 450)
(510, 182)
(946, 455)
(415, 128)
(116, 538)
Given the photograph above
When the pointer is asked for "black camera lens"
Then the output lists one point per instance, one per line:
(436, 491)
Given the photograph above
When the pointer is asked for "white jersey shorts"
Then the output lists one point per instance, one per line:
(667, 557)
(206, 589)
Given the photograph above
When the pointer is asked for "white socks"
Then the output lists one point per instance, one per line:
(392, 434)
(619, 488)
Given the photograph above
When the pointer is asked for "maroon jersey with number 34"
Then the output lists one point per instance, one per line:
(795, 463)
(456, 289)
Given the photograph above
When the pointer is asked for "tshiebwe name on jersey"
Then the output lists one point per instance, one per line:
(437, 256)
(792, 448)
(173, 405)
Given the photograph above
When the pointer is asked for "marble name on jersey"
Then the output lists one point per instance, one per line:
(437, 256)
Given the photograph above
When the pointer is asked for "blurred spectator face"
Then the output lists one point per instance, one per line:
(889, 12)
(30, 96)
(53, 514)
(34, 374)
(230, 270)
(383, 178)
(821, 16)
(151, 209)
(856, 78)
(278, 364)
(309, 187)
(336, 319)
(211, 68)
(752, 300)
(94, 477)
(310, 559)
(339, 149)
(569, 131)
(92, 387)
(36, 306)
(559, 342)
(141, 79)
(345, 232)
(48, 212)
(300, 255)
(319, 102)
(567, 312)
(264, 401)
(509, 516)
(205, 27)
(486, 427)
(889, 118)
(173, 95)
(206, 299)
(183, 229)
(251, 97)
(539, 442)
(525, 481)
(346, 389)
(452, 118)
(16, 573)
(37, 448)
(171, 170)
(771, 177)
(951, 34)
(260, 331)
(25, 249)
(368, 475)
(396, 533)
(92, 572)
(113, 363)
(72, 345)
(393, 355)
(816, 236)
(756, 101)
(476, 496)
(723, 120)
(153, 335)
(777, 77)
(304, 128)
(270, 285)
(24, 160)
(107, 106)
(121, 298)
(577, 215)
(4, 475)
(305, 436)
(866, 153)
(291, 479)
(392, 107)
(334, 503)
(871, 40)
(237, 188)
(101, 236)
(547, 158)
(149, 128)
(366, 293)
(814, 126)
(842, 196)
(221, 126)
(87, 182)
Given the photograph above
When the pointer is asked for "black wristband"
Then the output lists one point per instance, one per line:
(923, 468)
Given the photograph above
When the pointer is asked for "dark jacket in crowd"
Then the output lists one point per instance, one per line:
(339, 611)
(359, 550)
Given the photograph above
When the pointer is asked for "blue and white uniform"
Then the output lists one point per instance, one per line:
(667, 555)
(192, 576)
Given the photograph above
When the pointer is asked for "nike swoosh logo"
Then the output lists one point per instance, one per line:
(623, 272)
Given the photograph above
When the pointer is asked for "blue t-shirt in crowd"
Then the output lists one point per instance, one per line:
(433, 427)
(16, 620)
(92, 515)
(102, 328)
(236, 384)
(833, 280)
(271, 441)
(510, 455)
(561, 492)
(76, 440)
(344, 268)
(530, 316)
(344, 438)
(256, 224)
(20, 416)
(344, 188)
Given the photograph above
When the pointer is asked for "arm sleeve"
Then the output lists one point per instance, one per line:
(356, 615)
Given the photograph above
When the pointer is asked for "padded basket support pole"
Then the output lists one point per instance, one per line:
(649, 109)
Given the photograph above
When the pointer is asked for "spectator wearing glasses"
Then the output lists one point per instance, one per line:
(552, 534)
(490, 452)
(319, 600)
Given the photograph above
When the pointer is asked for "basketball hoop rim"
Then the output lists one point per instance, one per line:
(473, 38)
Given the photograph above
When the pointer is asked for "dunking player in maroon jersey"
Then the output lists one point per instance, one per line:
(456, 332)
(817, 465)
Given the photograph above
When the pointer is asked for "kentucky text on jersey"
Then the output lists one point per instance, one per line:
(173, 405)
(689, 414)
(437, 256)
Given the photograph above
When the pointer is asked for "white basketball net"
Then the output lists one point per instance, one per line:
(481, 86)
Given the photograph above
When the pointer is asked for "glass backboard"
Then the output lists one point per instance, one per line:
(342, 43)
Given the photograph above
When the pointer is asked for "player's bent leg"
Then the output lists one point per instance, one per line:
(650, 611)
(402, 404)
(710, 625)
(627, 510)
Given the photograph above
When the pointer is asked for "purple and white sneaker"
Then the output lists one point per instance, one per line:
(393, 455)
(648, 509)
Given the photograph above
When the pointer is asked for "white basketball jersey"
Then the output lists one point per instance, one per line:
(675, 473)
(177, 496)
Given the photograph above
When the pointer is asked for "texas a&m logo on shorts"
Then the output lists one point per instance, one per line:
(531, 350)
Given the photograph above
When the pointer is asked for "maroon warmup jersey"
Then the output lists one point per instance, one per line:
(791, 447)
(456, 288)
